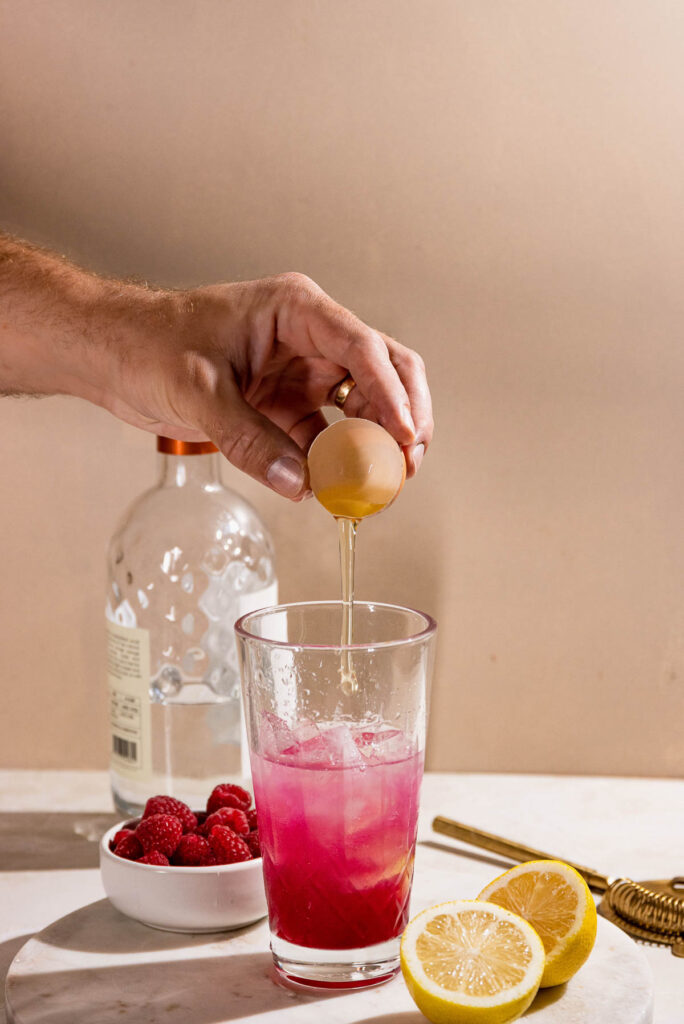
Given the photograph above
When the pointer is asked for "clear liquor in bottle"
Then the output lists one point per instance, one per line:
(189, 558)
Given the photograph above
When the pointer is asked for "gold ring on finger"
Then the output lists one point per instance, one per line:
(344, 390)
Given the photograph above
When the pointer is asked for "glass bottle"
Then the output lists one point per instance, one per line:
(189, 557)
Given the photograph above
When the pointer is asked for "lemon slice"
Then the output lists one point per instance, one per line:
(556, 901)
(468, 962)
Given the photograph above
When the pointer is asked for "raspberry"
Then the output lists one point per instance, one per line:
(227, 795)
(231, 817)
(169, 805)
(252, 819)
(113, 843)
(253, 843)
(155, 857)
(160, 832)
(193, 851)
(228, 847)
(130, 847)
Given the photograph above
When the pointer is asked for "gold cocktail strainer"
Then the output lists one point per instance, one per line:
(650, 911)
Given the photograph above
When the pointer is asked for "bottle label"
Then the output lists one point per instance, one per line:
(128, 675)
(258, 599)
(250, 603)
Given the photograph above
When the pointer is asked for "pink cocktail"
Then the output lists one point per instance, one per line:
(336, 773)
(337, 821)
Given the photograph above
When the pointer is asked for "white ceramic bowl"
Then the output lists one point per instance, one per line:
(183, 899)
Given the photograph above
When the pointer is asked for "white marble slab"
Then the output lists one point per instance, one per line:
(96, 966)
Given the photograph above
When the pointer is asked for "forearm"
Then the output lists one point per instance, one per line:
(60, 326)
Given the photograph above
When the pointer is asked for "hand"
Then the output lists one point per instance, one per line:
(250, 365)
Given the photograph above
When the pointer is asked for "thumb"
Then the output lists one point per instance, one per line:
(255, 445)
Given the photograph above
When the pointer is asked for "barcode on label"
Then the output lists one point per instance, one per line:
(124, 748)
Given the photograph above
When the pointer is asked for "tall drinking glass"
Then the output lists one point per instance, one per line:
(336, 773)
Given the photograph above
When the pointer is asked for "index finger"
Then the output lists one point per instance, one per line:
(340, 336)
(411, 369)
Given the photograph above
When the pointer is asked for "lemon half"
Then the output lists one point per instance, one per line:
(557, 902)
(470, 962)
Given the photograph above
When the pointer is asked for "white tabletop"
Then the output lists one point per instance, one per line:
(632, 827)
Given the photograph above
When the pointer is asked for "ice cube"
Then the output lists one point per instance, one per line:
(383, 747)
(331, 748)
(314, 753)
(306, 729)
(275, 736)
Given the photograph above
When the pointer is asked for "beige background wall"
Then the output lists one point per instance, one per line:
(498, 184)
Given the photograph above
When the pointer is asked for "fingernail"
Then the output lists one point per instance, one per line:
(286, 477)
(407, 419)
(417, 455)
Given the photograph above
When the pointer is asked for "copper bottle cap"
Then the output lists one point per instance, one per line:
(170, 446)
